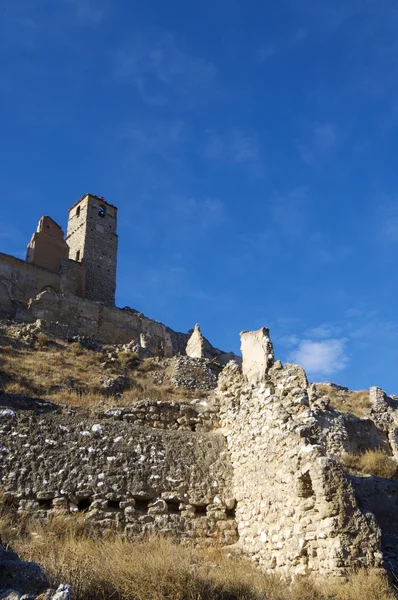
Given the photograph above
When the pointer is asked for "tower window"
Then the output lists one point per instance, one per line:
(78, 255)
(101, 211)
(78, 211)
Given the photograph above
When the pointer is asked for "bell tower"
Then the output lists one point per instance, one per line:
(93, 241)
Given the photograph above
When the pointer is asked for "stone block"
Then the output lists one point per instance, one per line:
(257, 353)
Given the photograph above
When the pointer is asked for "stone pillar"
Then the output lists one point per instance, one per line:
(196, 344)
(257, 353)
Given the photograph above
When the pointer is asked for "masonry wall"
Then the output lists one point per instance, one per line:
(24, 280)
(297, 511)
(138, 478)
(92, 240)
(108, 325)
(20, 281)
(47, 247)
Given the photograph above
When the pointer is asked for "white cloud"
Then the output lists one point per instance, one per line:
(271, 48)
(290, 211)
(321, 358)
(156, 138)
(88, 12)
(387, 212)
(160, 69)
(326, 330)
(192, 214)
(321, 141)
(235, 146)
(288, 340)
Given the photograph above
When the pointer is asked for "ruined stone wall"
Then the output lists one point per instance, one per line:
(297, 511)
(105, 324)
(72, 278)
(20, 281)
(139, 478)
(47, 247)
(24, 280)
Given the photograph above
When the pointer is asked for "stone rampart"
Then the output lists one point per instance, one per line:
(105, 324)
(137, 478)
(69, 316)
(24, 280)
(20, 281)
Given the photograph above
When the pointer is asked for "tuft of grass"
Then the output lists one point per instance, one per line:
(128, 360)
(371, 462)
(363, 585)
(42, 341)
(355, 402)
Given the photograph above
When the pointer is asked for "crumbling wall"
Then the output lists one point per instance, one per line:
(106, 324)
(24, 280)
(341, 433)
(297, 511)
(47, 247)
(138, 478)
(6, 305)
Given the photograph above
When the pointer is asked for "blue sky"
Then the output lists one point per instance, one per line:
(250, 147)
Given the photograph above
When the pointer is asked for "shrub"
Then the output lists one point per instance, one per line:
(363, 585)
(372, 462)
(355, 402)
(42, 342)
(128, 360)
(77, 349)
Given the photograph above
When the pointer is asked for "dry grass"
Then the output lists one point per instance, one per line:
(371, 462)
(355, 402)
(109, 566)
(48, 369)
(112, 567)
(70, 374)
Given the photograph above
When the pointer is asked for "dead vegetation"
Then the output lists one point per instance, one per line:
(355, 402)
(70, 374)
(371, 462)
(111, 566)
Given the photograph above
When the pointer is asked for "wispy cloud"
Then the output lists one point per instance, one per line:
(203, 213)
(320, 142)
(234, 148)
(271, 48)
(155, 137)
(321, 357)
(289, 211)
(87, 12)
(326, 330)
(387, 216)
(162, 70)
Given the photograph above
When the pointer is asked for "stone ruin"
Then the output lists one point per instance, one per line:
(256, 467)
(69, 283)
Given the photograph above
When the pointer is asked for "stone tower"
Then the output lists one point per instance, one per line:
(92, 240)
